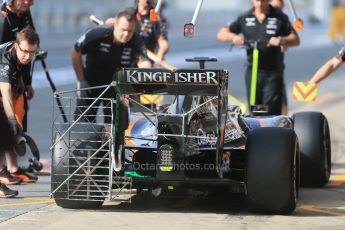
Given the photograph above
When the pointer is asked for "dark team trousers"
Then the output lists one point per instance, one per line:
(7, 139)
(269, 90)
(90, 116)
(25, 119)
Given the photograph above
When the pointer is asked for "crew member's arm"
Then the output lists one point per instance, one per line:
(329, 67)
(287, 41)
(6, 92)
(291, 40)
(30, 91)
(143, 60)
(225, 35)
(77, 63)
(84, 45)
(163, 47)
(144, 63)
(6, 30)
(288, 36)
(162, 39)
(27, 79)
(110, 21)
(230, 33)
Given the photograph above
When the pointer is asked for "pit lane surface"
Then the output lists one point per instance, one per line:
(318, 208)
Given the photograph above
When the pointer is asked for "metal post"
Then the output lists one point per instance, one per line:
(197, 10)
(158, 6)
(293, 10)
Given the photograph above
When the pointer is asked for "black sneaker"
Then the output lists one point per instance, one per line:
(24, 176)
(7, 192)
(6, 178)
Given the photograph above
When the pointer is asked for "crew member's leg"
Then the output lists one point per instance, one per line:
(25, 118)
(121, 123)
(11, 156)
(85, 99)
(285, 105)
(7, 143)
(273, 92)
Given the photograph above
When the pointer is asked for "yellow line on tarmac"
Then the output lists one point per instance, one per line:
(37, 198)
(312, 208)
(338, 181)
(28, 203)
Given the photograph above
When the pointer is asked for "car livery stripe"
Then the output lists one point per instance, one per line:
(262, 123)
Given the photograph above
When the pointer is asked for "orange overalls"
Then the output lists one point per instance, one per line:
(18, 107)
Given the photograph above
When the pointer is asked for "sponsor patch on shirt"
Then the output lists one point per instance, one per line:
(104, 47)
(126, 56)
(272, 20)
(4, 72)
(271, 27)
(271, 32)
(250, 21)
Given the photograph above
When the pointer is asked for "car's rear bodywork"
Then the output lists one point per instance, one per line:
(197, 141)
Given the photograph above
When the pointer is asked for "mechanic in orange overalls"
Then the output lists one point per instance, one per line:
(15, 58)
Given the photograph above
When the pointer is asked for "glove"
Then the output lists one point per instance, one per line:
(82, 85)
(16, 128)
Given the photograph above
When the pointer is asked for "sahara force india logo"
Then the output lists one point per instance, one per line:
(136, 76)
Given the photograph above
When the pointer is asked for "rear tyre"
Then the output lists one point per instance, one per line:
(272, 173)
(315, 148)
(80, 191)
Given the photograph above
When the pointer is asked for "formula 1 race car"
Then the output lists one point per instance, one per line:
(196, 141)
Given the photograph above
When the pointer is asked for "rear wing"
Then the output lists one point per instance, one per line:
(178, 82)
(200, 101)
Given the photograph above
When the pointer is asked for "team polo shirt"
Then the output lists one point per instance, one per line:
(104, 58)
(149, 31)
(275, 24)
(12, 25)
(10, 69)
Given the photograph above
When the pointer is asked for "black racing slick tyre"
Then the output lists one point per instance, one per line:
(84, 189)
(315, 148)
(272, 170)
